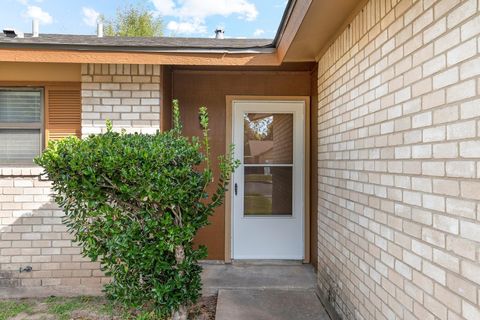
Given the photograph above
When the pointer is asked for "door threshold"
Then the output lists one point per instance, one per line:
(264, 262)
(211, 261)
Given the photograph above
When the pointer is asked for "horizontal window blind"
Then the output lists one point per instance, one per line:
(21, 125)
(19, 145)
(20, 106)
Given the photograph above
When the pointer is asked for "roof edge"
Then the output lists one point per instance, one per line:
(106, 48)
(294, 17)
(283, 23)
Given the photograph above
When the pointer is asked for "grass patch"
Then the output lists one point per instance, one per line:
(63, 307)
(11, 308)
(89, 308)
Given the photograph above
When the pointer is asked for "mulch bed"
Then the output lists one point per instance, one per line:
(204, 309)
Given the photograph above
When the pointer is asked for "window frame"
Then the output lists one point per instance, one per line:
(26, 125)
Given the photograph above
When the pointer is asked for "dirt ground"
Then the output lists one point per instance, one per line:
(88, 308)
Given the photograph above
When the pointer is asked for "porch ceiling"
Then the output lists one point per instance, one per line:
(323, 20)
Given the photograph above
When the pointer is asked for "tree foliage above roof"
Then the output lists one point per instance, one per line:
(134, 22)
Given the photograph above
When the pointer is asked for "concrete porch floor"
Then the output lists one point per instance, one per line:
(263, 291)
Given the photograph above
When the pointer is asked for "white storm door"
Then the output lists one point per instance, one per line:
(268, 187)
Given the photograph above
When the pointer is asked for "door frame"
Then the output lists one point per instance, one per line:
(229, 140)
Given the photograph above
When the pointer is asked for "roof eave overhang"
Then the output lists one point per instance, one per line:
(292, 19)
(133, 57)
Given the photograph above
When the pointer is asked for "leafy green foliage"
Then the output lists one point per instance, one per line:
(134, 22)
(135, 202)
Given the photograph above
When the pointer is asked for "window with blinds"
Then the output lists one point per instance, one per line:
(21, 112)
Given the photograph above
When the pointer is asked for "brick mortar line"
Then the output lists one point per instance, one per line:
(458, 158)
(411, 175)
(389, 268)
(321, 81)
(382, 109)
(394, 146)
(403, 116)
(396, 230)
(360, 50)
(444, 213)
(403, 248)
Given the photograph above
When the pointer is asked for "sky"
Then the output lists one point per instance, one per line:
(181, 18)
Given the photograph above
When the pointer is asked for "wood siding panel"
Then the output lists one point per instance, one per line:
(166, 103)
(209, 88)
(39, 72)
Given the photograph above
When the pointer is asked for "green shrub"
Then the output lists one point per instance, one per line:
(135, 202)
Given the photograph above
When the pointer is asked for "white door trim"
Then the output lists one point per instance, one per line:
(298, 108)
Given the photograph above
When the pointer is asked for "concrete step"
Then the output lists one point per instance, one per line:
(269, 304)
(257, 276)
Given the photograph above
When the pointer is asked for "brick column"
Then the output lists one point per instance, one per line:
(128, 95)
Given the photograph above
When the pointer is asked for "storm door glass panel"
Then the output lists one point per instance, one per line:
(268, 191)
(268, 164)
(268, 138)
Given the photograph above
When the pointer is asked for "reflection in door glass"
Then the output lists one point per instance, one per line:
(268, 138)
(268, 191)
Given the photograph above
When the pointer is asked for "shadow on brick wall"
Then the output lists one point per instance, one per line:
(37, 250)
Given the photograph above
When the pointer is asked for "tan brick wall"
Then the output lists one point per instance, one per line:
(399, 162)
(32, 234)
(128, 95)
